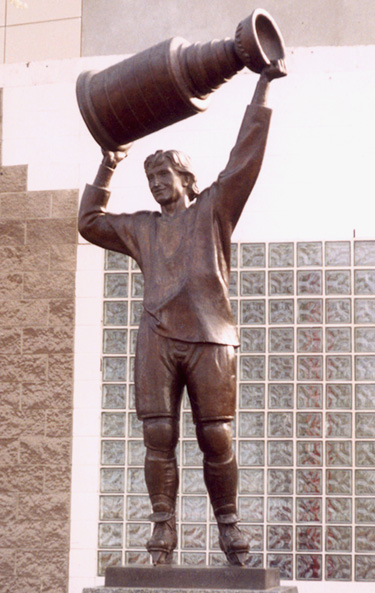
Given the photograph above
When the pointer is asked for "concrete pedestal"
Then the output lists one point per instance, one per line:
(186, 579)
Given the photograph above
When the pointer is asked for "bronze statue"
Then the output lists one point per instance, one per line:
(187, 334)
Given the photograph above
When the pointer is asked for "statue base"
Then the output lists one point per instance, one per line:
(188, 579)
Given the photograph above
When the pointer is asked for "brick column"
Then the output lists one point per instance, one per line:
(38, 241)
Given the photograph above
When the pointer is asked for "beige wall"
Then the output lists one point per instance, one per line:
(52, 29)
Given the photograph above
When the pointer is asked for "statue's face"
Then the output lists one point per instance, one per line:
(166, 184)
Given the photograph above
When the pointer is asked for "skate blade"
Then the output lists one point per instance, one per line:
(161, 557)
(238, 559)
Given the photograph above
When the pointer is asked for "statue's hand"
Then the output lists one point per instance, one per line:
(276, 69)
(112, 159)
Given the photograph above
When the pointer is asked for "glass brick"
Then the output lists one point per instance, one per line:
(364, 253)
(135, 426)
(136, 452)
(137, 286)
(364, 282)
(309, 339)
(309, 481)
(310, 311)
(338, 567)
(234, 255)
(310, 368)
(338, 539)
(111, 508)
(136, 557)
(309, 510)
(136, 480)
(252, 283)
(253, 339)
(309, 254)
(280, 453)
(280, 395)
(283, 562)
(281, 368)
(253, 255)
(253, 312)
(337, 253)
(364, 310)
(112, 480)
(191, 454)
(115, 341)
(365, 425)
(137, 535)
(136, 310)
(106, 559)
(233, 284)
(251, 508)
(365, 396)
(338, 339)
(113, 424)
(309, 453)
(114, 368)
(365, 453)
(364, 339)
(138, 508)
(339, 453)
(281, 339)
(339, 396)
(365, 539)
(131, 397)
(309, 424)
(338, 282)
(338, 311)
(280, 537)
(365, 568)
(281, 283)
(194, 508)
(339, 510)
(193, 537)
(188, 426)
(114, 397)
(217, 559)
(193, 558)
(251, 481)
(113, 453)
(309, 567)
(280, 481)
(280, 424)
(338, 481)
(251, 424)
(309, 396)
(281, 311)
(251, 396)
(280, 509)
(115, 313)
(309, 282)
(234, 308)
(365, 510)
(252, 368)
(192, 481)
(116, 261)
(134, 265)
(309, 537)
(110, 535)
(339, 424)
(365, 368)
(339, 368)
(365, 481)
(254, 535)
(115, 286)
(281, 255)
(251, 453)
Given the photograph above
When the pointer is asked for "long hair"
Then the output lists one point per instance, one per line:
(180, 163)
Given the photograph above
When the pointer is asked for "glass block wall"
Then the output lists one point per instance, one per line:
(305, 422)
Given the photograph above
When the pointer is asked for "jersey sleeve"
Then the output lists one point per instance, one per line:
(237, 180)
(116, 232)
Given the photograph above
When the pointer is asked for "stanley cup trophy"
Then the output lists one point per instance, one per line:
(187, 335)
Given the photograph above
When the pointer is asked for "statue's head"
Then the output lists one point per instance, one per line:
(180, 163)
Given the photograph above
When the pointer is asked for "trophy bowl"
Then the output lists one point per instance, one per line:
(258, 41)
